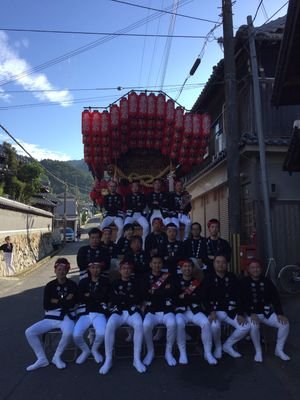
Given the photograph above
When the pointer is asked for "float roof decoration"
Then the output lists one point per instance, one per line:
(145, 121)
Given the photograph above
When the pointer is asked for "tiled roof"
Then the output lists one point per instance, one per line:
(248, 138)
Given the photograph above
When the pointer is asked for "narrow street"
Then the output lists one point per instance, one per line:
(21, 305)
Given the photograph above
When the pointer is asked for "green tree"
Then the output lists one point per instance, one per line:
(30, 174)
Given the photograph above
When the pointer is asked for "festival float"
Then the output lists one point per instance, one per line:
(142, 136)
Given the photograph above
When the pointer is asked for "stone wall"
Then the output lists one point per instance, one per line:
(30, 229)
(27, 250)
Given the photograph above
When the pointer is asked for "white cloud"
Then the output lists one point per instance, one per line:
(39, 153)
(12, 67)
(4, 96)
(36, 151)
(22, 43)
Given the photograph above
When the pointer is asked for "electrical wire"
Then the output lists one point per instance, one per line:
(256, 12)
(164, 11)
(84, 100)
(102, 33)
(208, 37)
(168, 44)
(83, 48)
(95, 89)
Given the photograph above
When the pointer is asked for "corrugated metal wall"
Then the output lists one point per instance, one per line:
(286, 232)
(213, 204)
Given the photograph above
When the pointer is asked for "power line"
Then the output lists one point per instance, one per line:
(85, 99)
(256, 12)
(101, 33)
(199, 57)
(84, 48)
(164, 11)
(100, 89)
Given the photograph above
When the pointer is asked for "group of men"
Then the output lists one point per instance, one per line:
(168, 206)
(152, 280)
(167, 288)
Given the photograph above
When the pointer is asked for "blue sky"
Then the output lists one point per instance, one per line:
(48, 123)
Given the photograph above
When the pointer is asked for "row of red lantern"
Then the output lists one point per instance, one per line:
(144, 121)
(187, 136)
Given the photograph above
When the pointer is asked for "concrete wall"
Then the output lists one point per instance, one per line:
(30, 230)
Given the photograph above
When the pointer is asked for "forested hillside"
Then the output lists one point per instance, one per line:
(74, 173)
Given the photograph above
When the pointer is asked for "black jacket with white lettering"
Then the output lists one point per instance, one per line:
(61, 292)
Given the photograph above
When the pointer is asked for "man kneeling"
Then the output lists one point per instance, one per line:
(125, 299)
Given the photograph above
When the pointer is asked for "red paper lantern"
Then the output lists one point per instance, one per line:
(197, 122)
(124, 113)
(151, 106)
(206, 123)
(132, 104)
(114, 116)
(178, 123)
(96, 127)
(86, 122)
(170, 111)
(142, 105)
(160, 104)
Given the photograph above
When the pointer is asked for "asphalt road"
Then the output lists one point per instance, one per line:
(21, 305)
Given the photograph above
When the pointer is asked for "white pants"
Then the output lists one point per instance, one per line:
(8, 258)
(118, 221)
(141, 220)
(238, 334)
(198, 319)
(151, 320)
(98, 321)
(34, 332)
(114, 322)
(282, 333)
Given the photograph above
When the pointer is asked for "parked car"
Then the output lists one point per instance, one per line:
(70, 234)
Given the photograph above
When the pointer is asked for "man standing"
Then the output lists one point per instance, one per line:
(215, 244)
(135, 208)
(60, 298)
(157, 202)
(195, 247)
(7, 249)
(179, 208)
(156, 239)
(172, 250)
(93, 252)
(113, 209)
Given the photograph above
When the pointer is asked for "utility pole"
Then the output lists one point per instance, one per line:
(232, 135)
(65, 212)
(262, 150)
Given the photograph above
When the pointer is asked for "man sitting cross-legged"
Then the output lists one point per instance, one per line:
(93, 296)
(188, 302)
(158, 293)
(125, 299)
